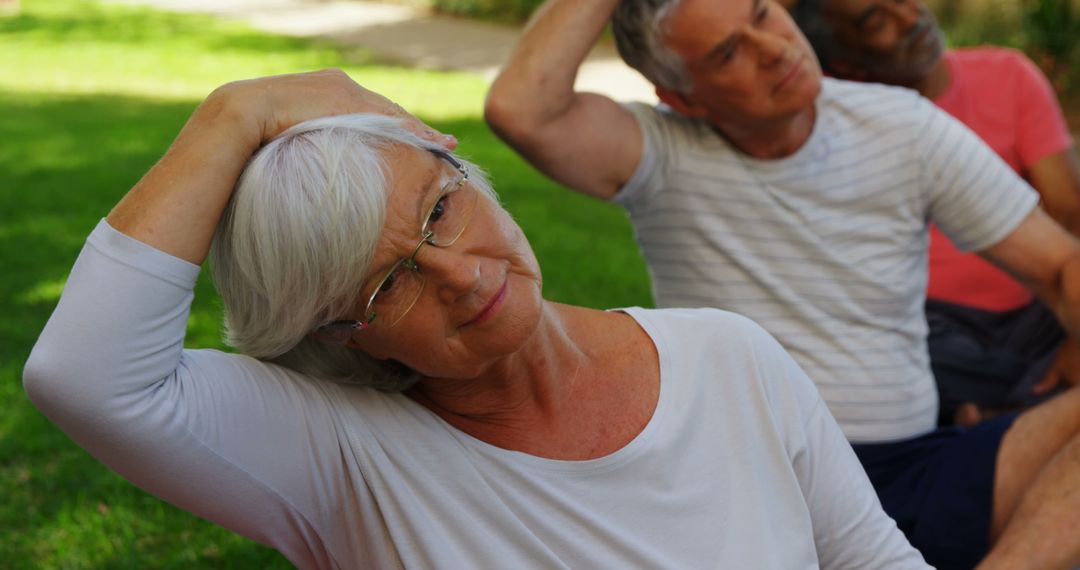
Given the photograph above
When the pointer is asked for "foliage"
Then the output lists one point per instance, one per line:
(1053, 28)
(1047, 30)
(91, 96)
(499, 10)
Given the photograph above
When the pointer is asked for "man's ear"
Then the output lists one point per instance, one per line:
(680, 103)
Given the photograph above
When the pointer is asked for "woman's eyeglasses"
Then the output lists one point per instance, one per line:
(401, 286)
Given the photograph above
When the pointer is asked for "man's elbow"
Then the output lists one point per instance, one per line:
(506, 116)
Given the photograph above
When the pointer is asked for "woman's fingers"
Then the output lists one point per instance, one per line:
(286, 100)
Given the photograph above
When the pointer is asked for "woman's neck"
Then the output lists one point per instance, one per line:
(550, 397)
(527, 385)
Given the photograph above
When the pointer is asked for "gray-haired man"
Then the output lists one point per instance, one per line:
(804, 203)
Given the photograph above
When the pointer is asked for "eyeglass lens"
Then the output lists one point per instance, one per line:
(443, 225)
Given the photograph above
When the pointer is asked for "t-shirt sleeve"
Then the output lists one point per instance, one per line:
(1042, 128)
(650, 172)
(973, 196)
(242, 443)
(850, 528)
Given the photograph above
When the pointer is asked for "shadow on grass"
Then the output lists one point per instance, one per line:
(75, 157)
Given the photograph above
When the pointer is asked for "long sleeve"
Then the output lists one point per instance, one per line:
(850, 528)
(242, 443)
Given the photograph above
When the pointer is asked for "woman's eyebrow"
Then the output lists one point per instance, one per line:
(432, 184)
(378, 271)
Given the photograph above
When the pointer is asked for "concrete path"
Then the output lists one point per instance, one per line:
(411, 36)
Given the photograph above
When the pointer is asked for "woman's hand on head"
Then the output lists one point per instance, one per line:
(176, 206)
(281, 101)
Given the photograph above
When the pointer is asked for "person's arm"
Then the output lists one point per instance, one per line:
(245, 444)
(1056, 177)
(585, 141)
(228, 438)
(851, 530)
(1045, 257)
(1042, 141)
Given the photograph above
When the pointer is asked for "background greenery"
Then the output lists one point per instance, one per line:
(1048, 30)
(90, 96)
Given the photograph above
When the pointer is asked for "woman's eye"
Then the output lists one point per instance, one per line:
(439, 209)
(388, 283)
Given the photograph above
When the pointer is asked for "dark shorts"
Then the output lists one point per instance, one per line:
(989, 358)
(939, 488)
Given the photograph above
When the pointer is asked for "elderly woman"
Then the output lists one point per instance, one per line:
(406, 397)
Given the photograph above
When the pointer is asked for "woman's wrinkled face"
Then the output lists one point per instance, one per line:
(481, 296)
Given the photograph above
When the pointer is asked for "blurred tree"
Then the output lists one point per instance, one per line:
(1053, 29)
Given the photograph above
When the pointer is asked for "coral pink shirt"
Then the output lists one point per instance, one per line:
(1006, 100)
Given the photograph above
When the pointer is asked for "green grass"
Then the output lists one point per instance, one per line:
(90, 97)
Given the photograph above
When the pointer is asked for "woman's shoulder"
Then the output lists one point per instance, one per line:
(686, 329)
(703, 319)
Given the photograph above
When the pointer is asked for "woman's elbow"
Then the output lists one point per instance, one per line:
(44, 379)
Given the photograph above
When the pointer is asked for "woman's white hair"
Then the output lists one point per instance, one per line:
(295, 242)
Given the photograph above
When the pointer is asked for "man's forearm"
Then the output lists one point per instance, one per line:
(176, 206)
(1067, 301)
(537, 83)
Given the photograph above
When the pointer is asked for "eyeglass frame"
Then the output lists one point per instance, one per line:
(340, 327)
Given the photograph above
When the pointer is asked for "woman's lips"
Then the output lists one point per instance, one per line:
(489, 311)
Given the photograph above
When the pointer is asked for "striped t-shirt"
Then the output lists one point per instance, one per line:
(826, 248)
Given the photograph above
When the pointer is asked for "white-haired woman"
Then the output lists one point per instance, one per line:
(412, 400)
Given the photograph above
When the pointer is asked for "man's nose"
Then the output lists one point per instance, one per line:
(906, 13)
(770, 47)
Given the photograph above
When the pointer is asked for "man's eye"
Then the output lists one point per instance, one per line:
(729, 54)
(873, 24)
(762, 14)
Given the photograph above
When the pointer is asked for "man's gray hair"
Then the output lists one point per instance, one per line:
(296, 240)
(809, 15)
(640, 28)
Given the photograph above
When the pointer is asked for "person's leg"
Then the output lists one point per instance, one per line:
(939, 489)
(1036, 510)
(988, 363)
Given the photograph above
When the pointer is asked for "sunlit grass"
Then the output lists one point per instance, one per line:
(90, 96)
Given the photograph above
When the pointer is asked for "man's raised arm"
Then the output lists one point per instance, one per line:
(583, 140)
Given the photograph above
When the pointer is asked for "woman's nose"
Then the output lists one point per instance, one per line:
(449, 272)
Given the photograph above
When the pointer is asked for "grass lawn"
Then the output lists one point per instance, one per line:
(90, 96)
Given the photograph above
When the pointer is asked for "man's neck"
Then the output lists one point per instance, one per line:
(772, 140)
(934, 84)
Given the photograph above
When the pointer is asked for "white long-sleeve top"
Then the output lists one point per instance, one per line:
(741, 465)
